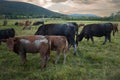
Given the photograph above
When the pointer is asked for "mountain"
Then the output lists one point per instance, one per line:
(12, 8)
(85, 15)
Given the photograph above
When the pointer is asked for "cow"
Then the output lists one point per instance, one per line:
(60, 44)
(29, 44)
(6, 33)
(38, 43)
(38, 23)
(97, 30)
(27, 25)
(67, 30)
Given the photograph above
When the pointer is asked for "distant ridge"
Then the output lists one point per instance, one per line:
(11, 8)
(85, 15)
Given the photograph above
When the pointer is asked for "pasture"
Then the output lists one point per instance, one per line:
(93, 61)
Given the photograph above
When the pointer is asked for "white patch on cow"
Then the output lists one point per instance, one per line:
(24, 41)
(38, 42)
(40, 36)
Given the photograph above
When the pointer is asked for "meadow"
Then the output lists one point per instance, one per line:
(93, 61)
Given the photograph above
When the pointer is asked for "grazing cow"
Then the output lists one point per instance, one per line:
(67, 30)
(6, 33)
(29, 44)
(16, 23)
(27, 25)
(60, 44)
(19, 23)
(98, 30)
(38, 23)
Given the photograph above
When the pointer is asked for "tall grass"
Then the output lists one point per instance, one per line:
(93, 61)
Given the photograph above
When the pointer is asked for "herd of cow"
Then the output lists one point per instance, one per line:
(59, 37)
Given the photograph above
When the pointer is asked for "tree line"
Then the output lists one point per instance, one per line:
(112, 17)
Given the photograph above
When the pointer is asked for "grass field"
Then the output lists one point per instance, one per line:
(93, 61)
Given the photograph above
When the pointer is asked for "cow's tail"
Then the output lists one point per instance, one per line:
(66, 46)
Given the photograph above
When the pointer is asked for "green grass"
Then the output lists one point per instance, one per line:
(93, 61)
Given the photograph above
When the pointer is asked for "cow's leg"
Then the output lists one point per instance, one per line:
(87, 39)
(77, 39)
(64, 53)
(109, 38)
(75, 49)
(23, 28)
(105, 40)
(43, 59)
(92, 39)
(57, 57)
(23, 57)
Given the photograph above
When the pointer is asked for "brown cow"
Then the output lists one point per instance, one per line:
(27, 25)
(42, 44)
(29, 44)
(60, 44)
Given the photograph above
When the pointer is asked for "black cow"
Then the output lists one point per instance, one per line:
(6, 33)
(67, 30)
(97, 30)
(38, 23)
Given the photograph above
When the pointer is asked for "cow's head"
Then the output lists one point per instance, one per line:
(115, 28)
(81, 24)
(11, 42)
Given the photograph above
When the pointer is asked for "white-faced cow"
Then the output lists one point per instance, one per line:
(29, 44)
(68, 30)
(98, 30)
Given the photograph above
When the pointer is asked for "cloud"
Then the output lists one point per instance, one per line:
(98, 7)
(57, 1)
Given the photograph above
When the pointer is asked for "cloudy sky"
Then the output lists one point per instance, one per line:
(98, 7)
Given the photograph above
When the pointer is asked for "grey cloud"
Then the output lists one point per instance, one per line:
(116, 3)
(85, 1)
(58, 1)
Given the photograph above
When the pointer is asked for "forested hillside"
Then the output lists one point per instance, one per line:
(13, 9)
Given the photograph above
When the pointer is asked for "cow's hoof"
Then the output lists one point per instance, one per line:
(75, 54)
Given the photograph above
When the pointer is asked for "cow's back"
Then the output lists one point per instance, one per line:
(29, 44)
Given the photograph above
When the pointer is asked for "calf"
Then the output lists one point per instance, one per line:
(6, 33)
(60, 44)
(29, 44)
